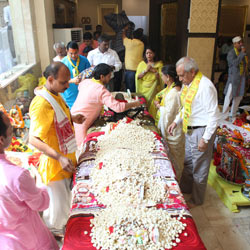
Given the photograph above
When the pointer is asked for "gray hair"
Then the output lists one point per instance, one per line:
(103, 38)
(188, 63)
(58, 45)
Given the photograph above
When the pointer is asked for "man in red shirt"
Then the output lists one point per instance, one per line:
(87, 42)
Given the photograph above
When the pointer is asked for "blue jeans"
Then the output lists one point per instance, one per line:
(130, 80)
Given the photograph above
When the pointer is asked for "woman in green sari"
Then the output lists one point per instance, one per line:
(147, 79)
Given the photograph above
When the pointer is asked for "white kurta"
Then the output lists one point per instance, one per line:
(176, 143)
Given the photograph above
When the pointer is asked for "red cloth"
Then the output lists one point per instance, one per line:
(75, 239)
(93, 136)
(217, 159)
(34, 159)
(122, 100)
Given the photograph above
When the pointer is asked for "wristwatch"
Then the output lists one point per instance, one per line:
(206, 141)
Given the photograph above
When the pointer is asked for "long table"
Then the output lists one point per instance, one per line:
(85, 205)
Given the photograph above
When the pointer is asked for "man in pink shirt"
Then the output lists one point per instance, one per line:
(21, 227)
(91, 98)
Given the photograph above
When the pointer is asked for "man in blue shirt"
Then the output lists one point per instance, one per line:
(76, 64)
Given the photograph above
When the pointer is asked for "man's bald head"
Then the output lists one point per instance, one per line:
(58, 76)
(53, 69)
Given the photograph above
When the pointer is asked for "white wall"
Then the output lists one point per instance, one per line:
(45, 17)
(136, 7)
(138, 12)
(88, 8)
(140, 22)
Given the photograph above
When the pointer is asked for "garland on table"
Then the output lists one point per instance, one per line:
(123, 180)
(137, 228)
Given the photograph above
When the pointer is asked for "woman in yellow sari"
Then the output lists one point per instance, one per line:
(168, 106)
(147, 78)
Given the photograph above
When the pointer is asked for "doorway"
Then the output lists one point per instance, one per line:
(168, 32)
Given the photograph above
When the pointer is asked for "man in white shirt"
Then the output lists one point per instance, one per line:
(103, 54)
(60, 50)
(200, 116)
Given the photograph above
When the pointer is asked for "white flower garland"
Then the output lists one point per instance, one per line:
(123, 181)
(135, 228)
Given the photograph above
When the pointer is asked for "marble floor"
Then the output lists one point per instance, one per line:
(219, 228)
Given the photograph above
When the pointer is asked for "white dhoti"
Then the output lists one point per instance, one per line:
(57, 214)
(235, 103)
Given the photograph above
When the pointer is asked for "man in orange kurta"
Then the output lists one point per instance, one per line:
(55, 166)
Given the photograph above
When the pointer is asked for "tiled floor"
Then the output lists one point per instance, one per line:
(219, 228)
